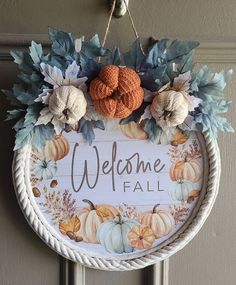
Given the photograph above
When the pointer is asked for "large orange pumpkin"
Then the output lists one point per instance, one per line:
(57, 148)
(116, 92)
(190, 170)
(91, 218)
(161, 222)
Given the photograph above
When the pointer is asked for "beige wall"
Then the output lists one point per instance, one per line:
(210, 258)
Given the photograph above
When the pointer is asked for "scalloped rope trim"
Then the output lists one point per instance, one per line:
(137, 263)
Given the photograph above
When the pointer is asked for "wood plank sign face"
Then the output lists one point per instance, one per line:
(120, 198)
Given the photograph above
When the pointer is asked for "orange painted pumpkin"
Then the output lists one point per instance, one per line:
(190, 170)
(116, 92)
(57, 148)
(161, 222)
(141, 237)
(133, 130)
(91, 218)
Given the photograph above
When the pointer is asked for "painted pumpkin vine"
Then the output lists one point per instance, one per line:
(153, 96)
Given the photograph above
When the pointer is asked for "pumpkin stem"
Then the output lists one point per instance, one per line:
(155, 208)
(119, 219)
(167, 114)
(91, 205)
(66, 113)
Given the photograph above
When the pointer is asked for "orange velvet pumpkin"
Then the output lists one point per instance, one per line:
(116, 92)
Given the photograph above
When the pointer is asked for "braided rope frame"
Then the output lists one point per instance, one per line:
(18, 169)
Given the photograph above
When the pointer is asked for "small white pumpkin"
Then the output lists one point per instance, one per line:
(180, 190)
(67, 104)
(169, 108)
(45, 169)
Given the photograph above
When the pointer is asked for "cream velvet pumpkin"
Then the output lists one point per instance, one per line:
(67, 104)
(169, 108)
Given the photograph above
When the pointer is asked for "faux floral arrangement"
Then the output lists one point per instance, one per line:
(79, 85)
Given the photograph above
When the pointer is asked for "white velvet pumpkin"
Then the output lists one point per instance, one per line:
(169, 108)
(67, 104)
(180, 190)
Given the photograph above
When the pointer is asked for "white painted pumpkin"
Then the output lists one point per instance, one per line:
(169, 108)
(67, 104)
(186, 170)
(180, 190)
(160, 221)
(113, 234)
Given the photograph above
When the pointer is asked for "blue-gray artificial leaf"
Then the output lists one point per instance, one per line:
(152, 129)
(156, 54)
(36, 52)
(114, 57)
(135, 57)
(154, 78)
(11, 98)
(13, 114)
(23, 96)
(93, 49)
(62, 43)
(23, 59)
(86, 128)
(41, 134)
(178, 49)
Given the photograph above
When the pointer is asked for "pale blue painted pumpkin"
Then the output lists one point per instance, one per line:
(112, 234)
(180, 190)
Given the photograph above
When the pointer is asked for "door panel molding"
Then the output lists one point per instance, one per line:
(209, 51)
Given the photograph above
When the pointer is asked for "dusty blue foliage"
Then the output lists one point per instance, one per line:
(164, 60)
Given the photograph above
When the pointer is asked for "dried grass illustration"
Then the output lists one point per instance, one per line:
(179, 212)
(59, 205)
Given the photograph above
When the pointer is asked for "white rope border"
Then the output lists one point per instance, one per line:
(197, 222)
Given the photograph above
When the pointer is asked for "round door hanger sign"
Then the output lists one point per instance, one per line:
(118, 199)
(116, 162)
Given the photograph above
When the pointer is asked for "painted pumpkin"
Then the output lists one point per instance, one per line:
(180, 190)
(179, 138)
(141, 237)
(190, 170)
(160, 221)
(113, 234)
(133, 130)
(91, 218)
(116, 92)
(45, 169)
(57, 148)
